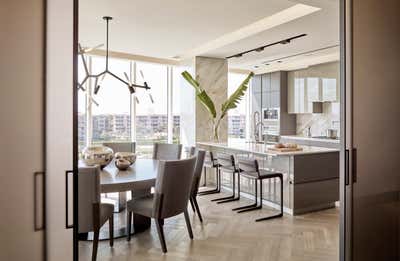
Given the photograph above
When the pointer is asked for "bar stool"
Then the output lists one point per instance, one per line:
(211, 162)
(226, 162)
(249, 168)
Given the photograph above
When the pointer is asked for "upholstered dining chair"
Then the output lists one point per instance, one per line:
(170, 198)
(165, 151)
(200, 156)
(92, 214)
(121, 147)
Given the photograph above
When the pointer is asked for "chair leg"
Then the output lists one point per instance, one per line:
(111, 228)
(251, 206)
(197, 209)
(231, 198)
(128, 225)
(95, 244)
(160, 231)
(217, 188)
(189, 227)
(205, 177)
(191, 203)
(281, 212)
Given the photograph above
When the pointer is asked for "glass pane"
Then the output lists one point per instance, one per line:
(176, 104)
(237, 116)
(111, 118)
(82, 126)
(151, 118)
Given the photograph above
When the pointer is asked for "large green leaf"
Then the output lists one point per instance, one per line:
(235, 97)
(201, 94)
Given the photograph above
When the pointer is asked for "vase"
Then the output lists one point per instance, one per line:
(215, 133)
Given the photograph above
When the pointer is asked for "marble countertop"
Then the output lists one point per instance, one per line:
(298, 137)
(262, 149)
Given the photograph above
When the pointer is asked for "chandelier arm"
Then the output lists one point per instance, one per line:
(84, 64)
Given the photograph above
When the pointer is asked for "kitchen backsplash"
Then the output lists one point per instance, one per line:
(320, 122)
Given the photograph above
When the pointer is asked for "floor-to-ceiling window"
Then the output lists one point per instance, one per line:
(151, 108)
(237, 117)
(163, 114)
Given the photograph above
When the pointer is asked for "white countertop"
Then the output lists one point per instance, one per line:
(262, 149)
(298, 137)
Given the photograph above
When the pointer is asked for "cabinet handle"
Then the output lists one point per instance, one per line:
(67, 225)
(346, 167)
(41, 225)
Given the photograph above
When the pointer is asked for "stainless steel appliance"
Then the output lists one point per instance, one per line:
(270, 114)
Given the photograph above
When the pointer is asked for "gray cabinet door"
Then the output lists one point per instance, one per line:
(22, 130)
(275, 99)
(266, 82)
(256, 84)
(275, 81)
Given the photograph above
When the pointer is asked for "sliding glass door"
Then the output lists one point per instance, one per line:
(371, 220)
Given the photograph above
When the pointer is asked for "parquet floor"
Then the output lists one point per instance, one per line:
(228, 236)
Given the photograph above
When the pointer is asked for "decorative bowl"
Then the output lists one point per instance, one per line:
(122, 164)
(97, 155)
(129, 156)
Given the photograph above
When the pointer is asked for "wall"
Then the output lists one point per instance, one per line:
(212, 75)
(330, 118)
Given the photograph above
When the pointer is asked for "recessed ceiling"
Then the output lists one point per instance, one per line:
(166, 29)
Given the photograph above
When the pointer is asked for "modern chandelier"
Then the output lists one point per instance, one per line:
(98, 78)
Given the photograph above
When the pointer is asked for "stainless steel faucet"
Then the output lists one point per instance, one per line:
(309, 131)
(257, 123)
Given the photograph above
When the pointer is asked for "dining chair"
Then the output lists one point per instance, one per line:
(166, 151)
(249, 168)
(121, 147)
(170, 198)
(92, 214)
(200, 156)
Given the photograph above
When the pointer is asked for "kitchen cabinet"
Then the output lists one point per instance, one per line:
(329, 90)
(313, 89)
(312, 86)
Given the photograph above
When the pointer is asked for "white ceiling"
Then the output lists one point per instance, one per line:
(166, 29)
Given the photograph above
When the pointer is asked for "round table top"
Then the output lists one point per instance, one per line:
(140, 175)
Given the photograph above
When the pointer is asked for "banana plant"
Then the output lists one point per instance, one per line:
(208, 103)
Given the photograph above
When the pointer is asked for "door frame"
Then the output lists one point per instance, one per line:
(345, 43)
(346, 142)
(75, 130)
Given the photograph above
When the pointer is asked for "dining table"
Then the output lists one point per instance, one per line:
(139, 178)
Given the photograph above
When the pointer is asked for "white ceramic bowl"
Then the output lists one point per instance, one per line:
(97, 155)
(129, 156)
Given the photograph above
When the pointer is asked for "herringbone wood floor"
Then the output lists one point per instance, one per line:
(228, 236)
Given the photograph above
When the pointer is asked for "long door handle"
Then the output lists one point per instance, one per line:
(67, 224)
(39, 226)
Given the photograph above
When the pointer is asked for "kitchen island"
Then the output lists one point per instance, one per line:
(311, 176)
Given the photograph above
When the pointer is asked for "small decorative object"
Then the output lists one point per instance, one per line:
(208, 103)
(97, 155)
(129, 156)
(122, 164)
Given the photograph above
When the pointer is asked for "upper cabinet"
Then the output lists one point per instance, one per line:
(308, 87)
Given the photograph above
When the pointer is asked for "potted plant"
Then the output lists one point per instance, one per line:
(208, 103)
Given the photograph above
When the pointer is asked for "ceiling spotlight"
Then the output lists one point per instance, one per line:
(256, 66)
(279, 61)
(259, 49)
(238, 55)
